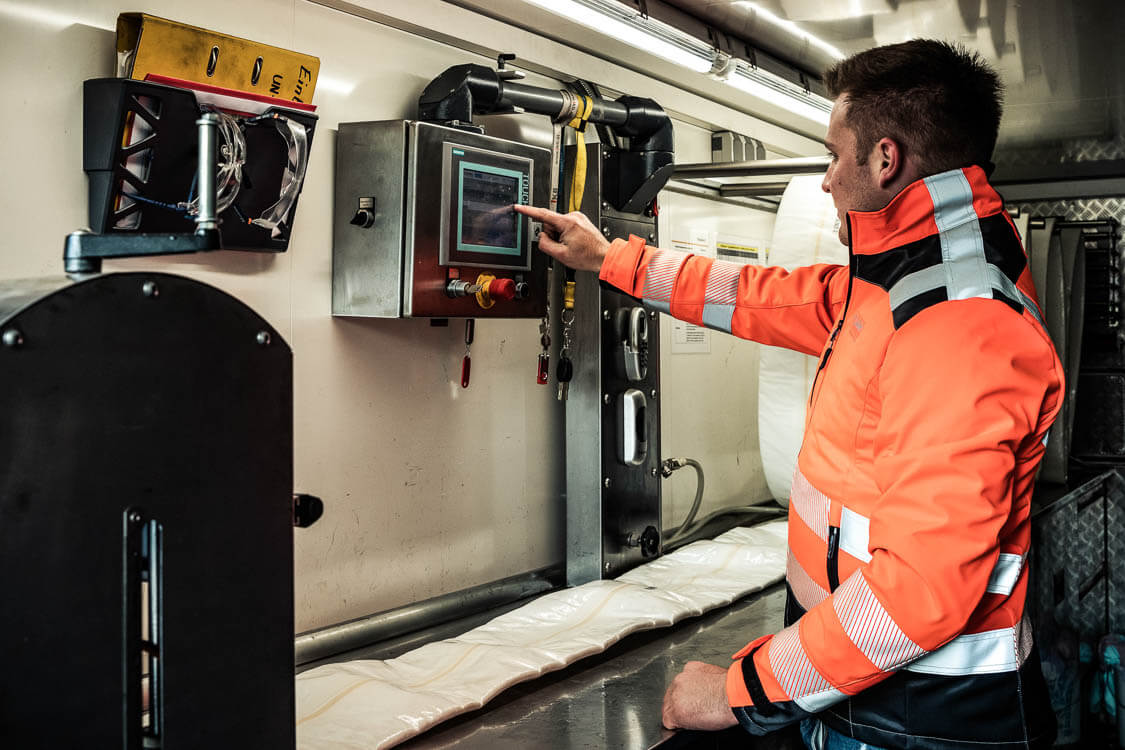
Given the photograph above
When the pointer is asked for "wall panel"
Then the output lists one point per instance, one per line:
(428, 488)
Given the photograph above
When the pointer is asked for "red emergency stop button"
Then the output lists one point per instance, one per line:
(493, 289)
(502, 289)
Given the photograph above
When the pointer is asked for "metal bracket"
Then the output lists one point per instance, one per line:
(84, 251)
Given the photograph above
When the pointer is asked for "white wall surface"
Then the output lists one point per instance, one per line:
(428, 488)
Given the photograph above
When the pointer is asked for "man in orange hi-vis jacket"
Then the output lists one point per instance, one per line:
(909, 514)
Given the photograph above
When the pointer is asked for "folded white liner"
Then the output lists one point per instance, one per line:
(378, 704)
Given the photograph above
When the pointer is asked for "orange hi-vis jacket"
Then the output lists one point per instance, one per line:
(909, 512)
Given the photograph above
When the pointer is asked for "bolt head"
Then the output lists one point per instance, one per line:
(605, 315)
(607, 567)
(12, 338)
(605, 398)
(150, 289)
(652, 393)
(652, 472)
(134, 516)
(605, 231)
(651, 236)
(263, 338)
(607, 483)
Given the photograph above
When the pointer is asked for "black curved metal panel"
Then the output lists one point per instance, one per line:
(159, 394)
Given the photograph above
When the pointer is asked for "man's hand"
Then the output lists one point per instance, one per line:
(697, 699)
(569, 238)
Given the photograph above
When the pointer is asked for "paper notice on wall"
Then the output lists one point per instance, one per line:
(693, 240)
(742, 250)
(690, 339)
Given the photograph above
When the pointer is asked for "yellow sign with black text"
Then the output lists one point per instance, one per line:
(147, 45)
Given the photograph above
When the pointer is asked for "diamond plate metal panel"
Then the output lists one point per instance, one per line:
(1086, 554)
(1078, 555)
(1115, 539)
(1085, 149)
(1080, 209)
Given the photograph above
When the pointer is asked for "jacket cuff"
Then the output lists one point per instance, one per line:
(620, 265)
(737, 694)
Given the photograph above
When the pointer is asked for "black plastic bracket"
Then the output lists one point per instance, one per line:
(307, 510)
(84, 251)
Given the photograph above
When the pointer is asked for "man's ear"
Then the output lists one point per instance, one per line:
(889, 161)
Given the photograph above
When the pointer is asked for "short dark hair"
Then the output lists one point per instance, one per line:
(940, 101)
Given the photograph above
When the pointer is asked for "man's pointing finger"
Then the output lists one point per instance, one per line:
(550, 218)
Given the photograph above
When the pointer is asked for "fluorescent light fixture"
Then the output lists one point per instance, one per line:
(791, 28)
(622, 22)
(625, 24)
(779, 92)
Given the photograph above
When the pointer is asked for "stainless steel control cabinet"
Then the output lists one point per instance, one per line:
(394, 260)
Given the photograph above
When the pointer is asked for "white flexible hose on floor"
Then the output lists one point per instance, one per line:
(378, 704)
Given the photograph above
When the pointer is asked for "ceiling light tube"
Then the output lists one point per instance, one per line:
(616, 20)
(644, 34)
(808, 106)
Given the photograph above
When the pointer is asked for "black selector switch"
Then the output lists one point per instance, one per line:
(365, 213)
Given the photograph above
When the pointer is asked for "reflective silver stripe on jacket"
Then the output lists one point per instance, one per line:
(1006, 574)
(964, 272)
(989, 652)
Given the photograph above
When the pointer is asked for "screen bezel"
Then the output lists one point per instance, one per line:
(452, 251)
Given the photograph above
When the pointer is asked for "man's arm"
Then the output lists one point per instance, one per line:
(965, 393)
(795, 310)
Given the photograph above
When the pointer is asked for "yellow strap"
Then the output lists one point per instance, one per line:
(578, 178)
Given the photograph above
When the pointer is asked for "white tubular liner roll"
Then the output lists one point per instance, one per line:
(378, 704)
(804, 233)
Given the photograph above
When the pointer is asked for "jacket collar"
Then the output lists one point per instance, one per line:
(924, 208)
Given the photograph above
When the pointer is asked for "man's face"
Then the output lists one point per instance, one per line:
(853, 186)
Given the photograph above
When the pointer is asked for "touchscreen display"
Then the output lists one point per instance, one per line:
(486, 221)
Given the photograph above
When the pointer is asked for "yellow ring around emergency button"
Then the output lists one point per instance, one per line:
(483, 298)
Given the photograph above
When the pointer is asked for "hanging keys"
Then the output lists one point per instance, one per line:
(544, 366)
(467, 362)
(544, 369)
(563, 373)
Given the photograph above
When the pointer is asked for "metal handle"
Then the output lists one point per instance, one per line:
(206, 219)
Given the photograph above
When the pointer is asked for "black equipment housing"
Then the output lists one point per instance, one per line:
(113, 105)
(134, 398)
(633, 175)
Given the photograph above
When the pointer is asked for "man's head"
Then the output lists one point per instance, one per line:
(903, 112)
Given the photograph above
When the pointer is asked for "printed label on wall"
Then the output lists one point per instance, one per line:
(690, 339)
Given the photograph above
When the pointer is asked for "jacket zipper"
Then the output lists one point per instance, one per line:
(832, 561)
(843, 316)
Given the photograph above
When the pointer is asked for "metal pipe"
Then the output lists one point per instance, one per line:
(208, 123)
(706, 192)
(337, 639)
(753, 190)
(747, 25)
(759, 168)
(550, 102)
